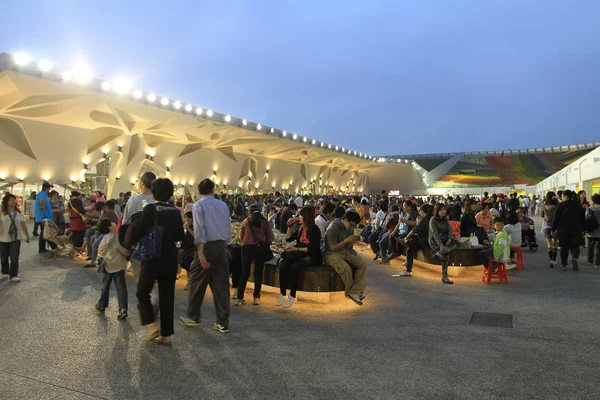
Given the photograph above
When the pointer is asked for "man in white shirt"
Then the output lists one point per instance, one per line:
(299, 201)
(324, 218)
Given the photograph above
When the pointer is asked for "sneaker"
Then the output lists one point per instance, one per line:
(575, 264)
(404, 264)
(15, 279)
(564, 267)
(280, 300)
(552, 263)
(256, 301)
(235, 292)
(597, 266)
(220, 328)
(355, 299)
(4, 277)
(510, 266)
(290, 302)
(384, 262)
(439, 256)
(90, 265)
(362, 297)
(447, 281)
(185, 321)
(405, 273)
(42, 251)
(239, 302)
(376, 257)
(100, 309)
(122, 314)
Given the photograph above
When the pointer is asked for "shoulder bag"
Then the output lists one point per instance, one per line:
(150, 246)
(263, 249)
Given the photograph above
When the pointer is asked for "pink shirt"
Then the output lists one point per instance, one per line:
(263, 234)
(485, 222)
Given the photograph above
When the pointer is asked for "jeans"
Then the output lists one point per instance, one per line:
(564, 253)
(36, 226)
(217, 276)
(288, 275)
(594, 251)
(163, 270)
(120, 284)
(249, 255)
(374, 240)
(95, 245)
(9, 254)
(411, 252)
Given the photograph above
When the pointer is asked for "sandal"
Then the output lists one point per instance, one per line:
(153, 336)
(165, 341)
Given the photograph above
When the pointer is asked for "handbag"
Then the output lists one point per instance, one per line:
(150, 246)
(263, 250)
(591, 223)
(292, 255)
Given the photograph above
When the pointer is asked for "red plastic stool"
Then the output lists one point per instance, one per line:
(500, 275)
(519, 257)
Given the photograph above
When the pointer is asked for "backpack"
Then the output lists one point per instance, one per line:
(127, 230)
(591, 223)
(149, 247)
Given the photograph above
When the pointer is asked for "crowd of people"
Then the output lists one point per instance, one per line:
(155, 234)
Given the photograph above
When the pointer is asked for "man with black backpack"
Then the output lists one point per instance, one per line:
(133, 210)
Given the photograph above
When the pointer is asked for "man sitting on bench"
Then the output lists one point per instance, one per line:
(339, 254)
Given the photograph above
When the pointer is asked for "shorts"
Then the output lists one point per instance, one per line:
(548, 233)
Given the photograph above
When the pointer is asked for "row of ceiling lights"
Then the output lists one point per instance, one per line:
(82, 74)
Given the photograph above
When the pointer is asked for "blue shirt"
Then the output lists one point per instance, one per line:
(211, 220)
(40, 214)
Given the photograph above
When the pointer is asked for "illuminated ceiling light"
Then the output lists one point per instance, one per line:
(272, 130)
(164, 101)
(188, 108)
(336, 148)
(46, 177)
(244, 122)
(151, 97)
(106, 86)
(305, 140)
(343, 150)
(122, 85)
(227, 118)
(209, 113)
(284, 133)
(199, 111)
(137, 94)
(67, 76)
(329, 146)
(21, 59)
(82, 73)
(399, 160)
(21, 177)
(45, 65)
(322, 144)
(355, 153)
(313, 142)
(294, 136)
(406, 161)
(258, 127)
(177, 105)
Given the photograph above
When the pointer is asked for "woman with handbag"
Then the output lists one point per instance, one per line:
(307, 251)
(255, 237)
(112, 261)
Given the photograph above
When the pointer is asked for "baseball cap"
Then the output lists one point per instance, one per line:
(77, 190)
(47, 185)
(101, 191)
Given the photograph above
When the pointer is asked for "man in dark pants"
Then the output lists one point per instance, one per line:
(43, 210)
(212, 228)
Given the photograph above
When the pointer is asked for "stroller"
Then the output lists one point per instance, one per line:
(528, 239)
(53, 234)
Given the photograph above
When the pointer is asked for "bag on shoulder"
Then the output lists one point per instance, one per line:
(591, 223)
(263, 248)
(127, 231)
(149, 247)
(292, 255)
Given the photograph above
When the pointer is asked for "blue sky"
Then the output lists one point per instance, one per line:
(381, 77)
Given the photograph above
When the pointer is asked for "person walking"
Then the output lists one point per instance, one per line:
(568, 226)
(162, 268)
(43, 210)
(547, 214)
(12, 230)
(255, 230)
(594, 236)
(113, 260)
(212, 228)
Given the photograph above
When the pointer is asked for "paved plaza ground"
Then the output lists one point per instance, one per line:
(411, 339)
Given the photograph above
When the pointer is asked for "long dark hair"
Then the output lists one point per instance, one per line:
(256, 218)
(308, 216)
(436, 210)
(550, 199)
(5, 200)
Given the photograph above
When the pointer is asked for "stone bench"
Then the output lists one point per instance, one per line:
(461, 257)
(314, 283)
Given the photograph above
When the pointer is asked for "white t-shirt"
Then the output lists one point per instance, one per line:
(299, 202)
(514, 233)
(136, 204)
(322, 223)
(5, 226)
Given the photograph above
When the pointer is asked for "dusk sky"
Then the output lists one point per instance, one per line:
(381, 77)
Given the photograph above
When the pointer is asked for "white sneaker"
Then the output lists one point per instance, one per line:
(510, 266)
(404, 264)
(405, 273)
(15, 279)
(235, 292)
(290, 302)
(280, 300)
(4, 277)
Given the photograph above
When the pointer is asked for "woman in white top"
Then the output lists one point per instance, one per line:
(12, 231)
(514, 230)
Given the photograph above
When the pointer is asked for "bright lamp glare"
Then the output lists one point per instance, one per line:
(67, 76)
(177, 105)
(244, 122)
(106, 85)
(45, 65)
(304, 140)
(272, 130)
(188, 108)
(82, 73)
(336, 148)
(314, 141)
(137, 94)
(227, 118)
(329, 147)
(284, 133)
(199, 111)
(322, 144)
(21, 59)
(122, 85)
(151, 97)
(164, 101)
(209, 113)
(258, 127)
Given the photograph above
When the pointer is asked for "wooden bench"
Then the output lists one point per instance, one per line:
(461, 257)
